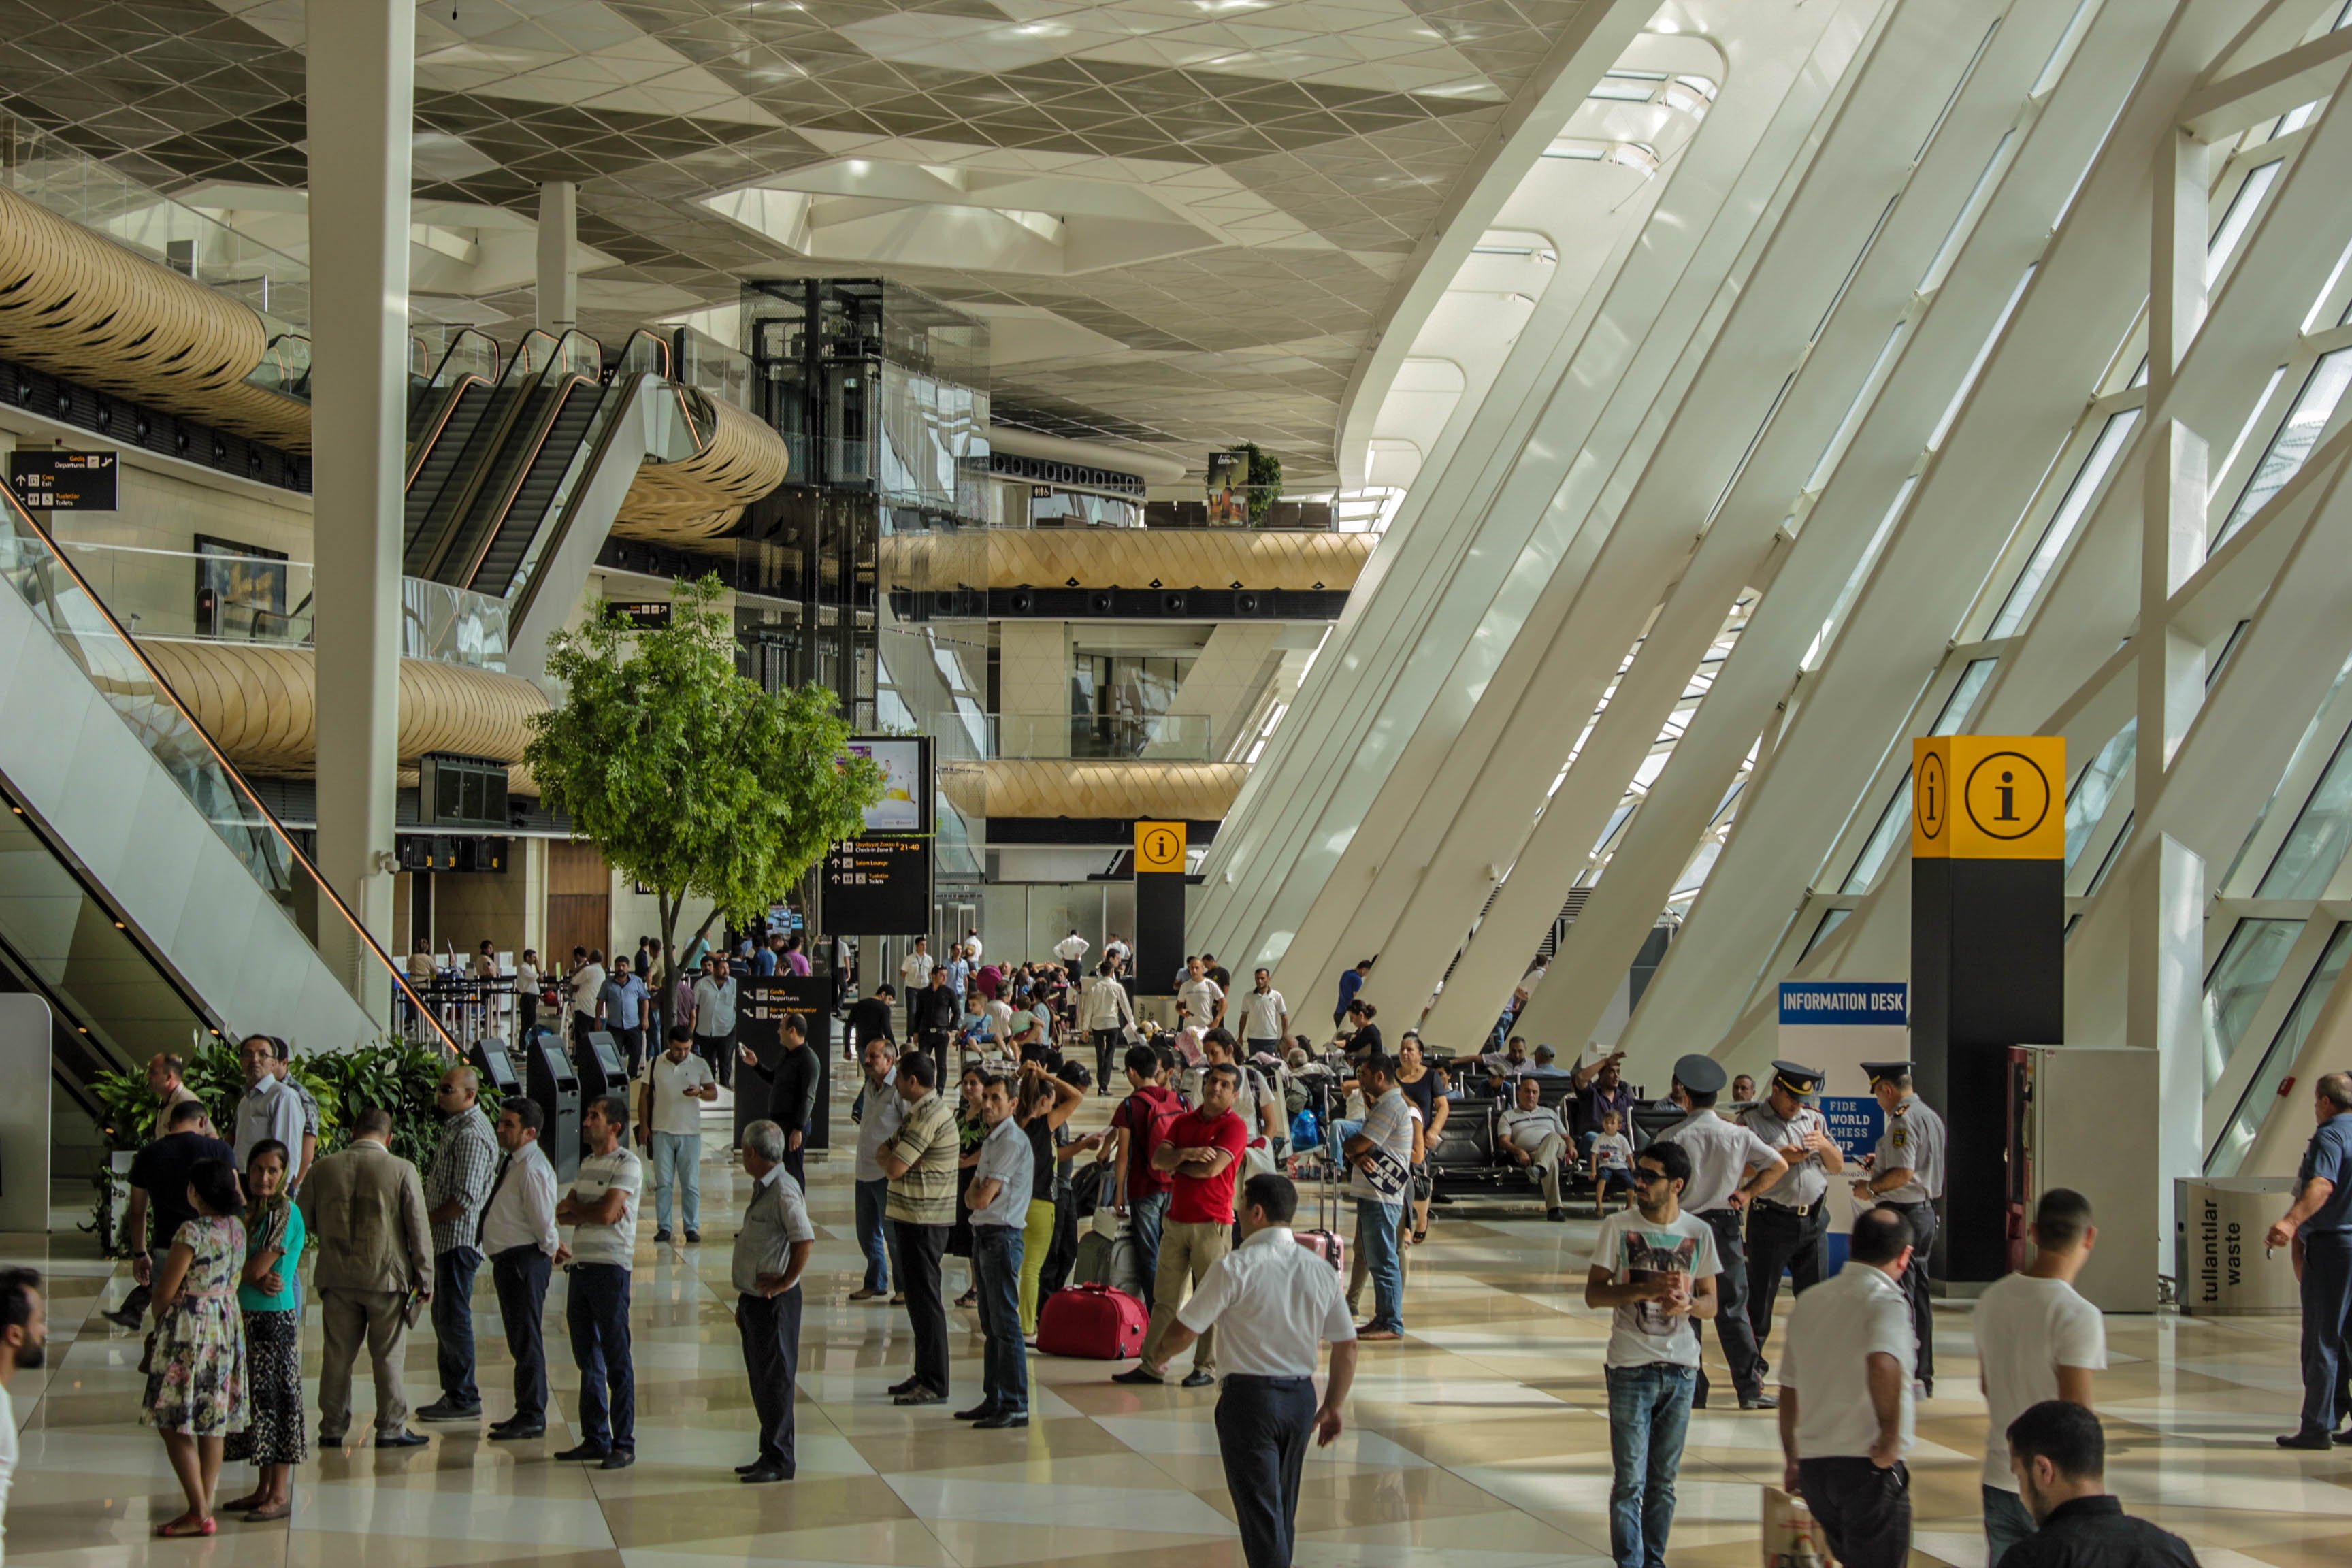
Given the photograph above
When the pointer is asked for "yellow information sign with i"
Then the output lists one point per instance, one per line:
(1158, 846)
(1988, 797)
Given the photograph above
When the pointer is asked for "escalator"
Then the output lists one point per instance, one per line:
(145, 892)
(500, 463)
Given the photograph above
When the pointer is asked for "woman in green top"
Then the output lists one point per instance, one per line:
(276, 1439)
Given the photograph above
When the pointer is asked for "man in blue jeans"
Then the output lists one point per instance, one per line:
(877, 1112)
(999, 1197)
(1379, 1160)
(1143, 1189)
(1654, 1268)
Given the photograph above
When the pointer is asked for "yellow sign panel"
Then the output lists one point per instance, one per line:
(1988, 797)
(1158, 846)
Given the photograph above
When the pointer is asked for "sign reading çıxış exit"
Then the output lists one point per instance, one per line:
(47, 481)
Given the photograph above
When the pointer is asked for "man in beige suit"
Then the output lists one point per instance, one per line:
(364, 1208)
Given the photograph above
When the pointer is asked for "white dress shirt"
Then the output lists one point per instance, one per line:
(522, 1211)
(1071, 948)
(1721, 1153)
(1836, 1327)
(915, 972)
(1275, 1303)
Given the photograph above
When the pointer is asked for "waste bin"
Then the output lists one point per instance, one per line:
(556, 1087)
(2220, 1263)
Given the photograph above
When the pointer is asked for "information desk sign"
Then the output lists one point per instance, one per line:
(1836, 1026)
(46, 480)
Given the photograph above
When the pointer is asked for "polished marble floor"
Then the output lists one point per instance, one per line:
(1481, 1442)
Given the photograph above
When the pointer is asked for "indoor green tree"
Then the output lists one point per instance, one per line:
(692, 779)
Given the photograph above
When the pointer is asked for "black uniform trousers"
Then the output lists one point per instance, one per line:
(1915, 1283)
(2326, 1293)
(771, 1327)
(1866, 1512)
(521, 1274)
(1264, 1425)
(920, 1248)
(1780, 1238)
(1732, 1330)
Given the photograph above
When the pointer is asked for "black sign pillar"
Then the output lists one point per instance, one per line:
(1987, 961)
(762, 1003)
(1159, 907)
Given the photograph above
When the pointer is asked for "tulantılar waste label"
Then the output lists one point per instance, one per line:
(1988, 797)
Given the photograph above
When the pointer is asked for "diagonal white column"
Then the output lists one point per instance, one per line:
(362, 56)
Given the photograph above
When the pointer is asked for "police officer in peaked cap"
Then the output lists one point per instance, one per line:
(1788, 1227)
(1906, 1173)
(1729, 1166)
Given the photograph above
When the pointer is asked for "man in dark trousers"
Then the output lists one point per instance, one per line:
(932, 1017)
(792, 1085)
(1273, 1303)
(2319, 1227)
(921, 1162)
(518, 1236)
(2059, 1457)
(771, 1250)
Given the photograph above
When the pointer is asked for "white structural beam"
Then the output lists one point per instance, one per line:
(2081, 304)
(362, 64)
(1867, 158)
(1520, 486)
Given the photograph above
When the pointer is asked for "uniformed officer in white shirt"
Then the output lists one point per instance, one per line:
(1723, 1156)
(1906, 1173)
(1790, 1228)
(1272, 1303)
(1071, 949)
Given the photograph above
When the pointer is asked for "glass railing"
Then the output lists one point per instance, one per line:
(44, 169)
(257, 599)
(451, 625)
(704, 363)
(1094, 737)
(46, 579)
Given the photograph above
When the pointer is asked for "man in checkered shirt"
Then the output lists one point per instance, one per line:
(457, 1185)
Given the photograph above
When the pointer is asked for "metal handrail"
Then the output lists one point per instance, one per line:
(229, 771)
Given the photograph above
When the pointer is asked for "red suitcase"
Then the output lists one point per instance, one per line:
(1094, 1321)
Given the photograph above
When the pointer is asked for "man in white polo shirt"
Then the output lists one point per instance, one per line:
(1845, 1396)
(1272, 1303)
(2037, 1339)
(1265, 1017)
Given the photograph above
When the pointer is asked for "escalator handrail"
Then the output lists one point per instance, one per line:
(503, 502)
(230, 770)
(623, 387)
(458, 344)
(541, 363)
(423, 448)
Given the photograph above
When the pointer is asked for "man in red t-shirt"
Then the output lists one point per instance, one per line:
(1201, 1154)
(1143, 1190)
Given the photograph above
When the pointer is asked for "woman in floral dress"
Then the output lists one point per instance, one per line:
(195, 1391)
(276, 1439)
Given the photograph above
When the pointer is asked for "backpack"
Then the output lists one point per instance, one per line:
(1162, 1122)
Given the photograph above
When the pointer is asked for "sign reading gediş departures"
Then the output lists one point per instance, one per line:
(46, 480)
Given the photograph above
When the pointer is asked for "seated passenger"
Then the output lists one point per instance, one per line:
(1612, 1160)
(1547, 1065)
(1530, 1133)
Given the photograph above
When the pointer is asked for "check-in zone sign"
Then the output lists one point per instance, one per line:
(1988, 797)
(1158, 846)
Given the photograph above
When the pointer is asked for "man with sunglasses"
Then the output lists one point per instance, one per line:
(1655, 1267)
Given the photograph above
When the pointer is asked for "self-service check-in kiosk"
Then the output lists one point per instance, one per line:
(497, 1069)
(603, 1071)
(552, 1083)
